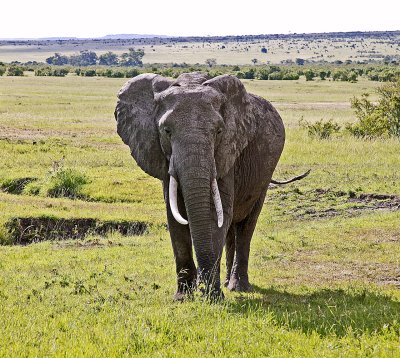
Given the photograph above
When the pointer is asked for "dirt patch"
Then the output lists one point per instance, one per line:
(328, 271)
(34, 229)
(313, 105)
(326, 203)
(86, 244)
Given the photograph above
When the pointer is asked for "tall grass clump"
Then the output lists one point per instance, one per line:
(66, 182)
(381, 119)
(61, 182)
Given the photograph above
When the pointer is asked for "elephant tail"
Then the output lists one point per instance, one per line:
(299, 177)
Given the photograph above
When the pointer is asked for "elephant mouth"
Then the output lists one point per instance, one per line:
(173, 201)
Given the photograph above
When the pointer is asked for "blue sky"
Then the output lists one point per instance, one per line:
(44, 18)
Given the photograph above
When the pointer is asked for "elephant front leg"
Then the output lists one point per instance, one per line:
(182, 246)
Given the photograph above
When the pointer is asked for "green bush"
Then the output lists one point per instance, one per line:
(249, 74)
(2, 70)
(263, 73)
(132, 73)
(320, 129)
(309, 75)
(290, 76)
(15, 71)
(378, 119)
(275, 76)
(88, 73)
(48, 71)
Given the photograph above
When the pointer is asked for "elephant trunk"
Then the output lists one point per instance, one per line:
(173, 197)
(198, 184)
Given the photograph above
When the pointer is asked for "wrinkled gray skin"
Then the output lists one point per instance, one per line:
(197, 129)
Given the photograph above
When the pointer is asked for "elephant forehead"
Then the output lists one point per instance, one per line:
(196, 94)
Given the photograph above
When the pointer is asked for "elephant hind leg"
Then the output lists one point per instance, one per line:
(239, 278)
(230, 252)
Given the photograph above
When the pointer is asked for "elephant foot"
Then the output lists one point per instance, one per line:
(181, 296)
(185, 290)
(239, 285)
(214, 295)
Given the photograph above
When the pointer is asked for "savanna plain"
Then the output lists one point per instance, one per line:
(325, 257)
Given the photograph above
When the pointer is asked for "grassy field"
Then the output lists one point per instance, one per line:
(231, 51)
(325, 260)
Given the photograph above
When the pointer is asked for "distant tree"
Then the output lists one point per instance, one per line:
(210, 62)
(57, 59)
(264, 50)
(85, 58)
(309, 75)
(2, 69)
(249, 75)
(88, 58)
(132, 58)
(254, 60)
(108, 59)
(299, 61)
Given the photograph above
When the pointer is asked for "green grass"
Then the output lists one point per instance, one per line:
(324, 262)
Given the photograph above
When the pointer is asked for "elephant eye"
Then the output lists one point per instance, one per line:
(167, 130)
(219, 131)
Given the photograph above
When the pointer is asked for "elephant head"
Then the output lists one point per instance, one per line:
(190, 131)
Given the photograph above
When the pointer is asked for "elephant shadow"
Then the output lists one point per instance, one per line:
(325, 311)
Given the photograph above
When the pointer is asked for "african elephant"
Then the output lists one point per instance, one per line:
(214, 147)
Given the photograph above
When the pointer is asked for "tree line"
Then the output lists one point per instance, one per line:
(89, 58)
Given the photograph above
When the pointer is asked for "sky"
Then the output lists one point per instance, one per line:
(73, 18)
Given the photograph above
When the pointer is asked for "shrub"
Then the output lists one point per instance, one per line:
(263, 73)
(290, 76)
(132, 73)
(250, 74)
(15, 71)
(2, 70)
(380, 119)
(320, 129)
(48, 71)
(88, 73)
(275, 76)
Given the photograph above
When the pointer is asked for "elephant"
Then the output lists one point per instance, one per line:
(215, 147)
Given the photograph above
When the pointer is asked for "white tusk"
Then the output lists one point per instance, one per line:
(173, 201)
(217, 202)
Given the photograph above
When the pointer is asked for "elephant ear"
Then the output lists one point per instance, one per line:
(136, 125)
(239, 117)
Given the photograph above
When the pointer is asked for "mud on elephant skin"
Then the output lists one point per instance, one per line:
(214, 147)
